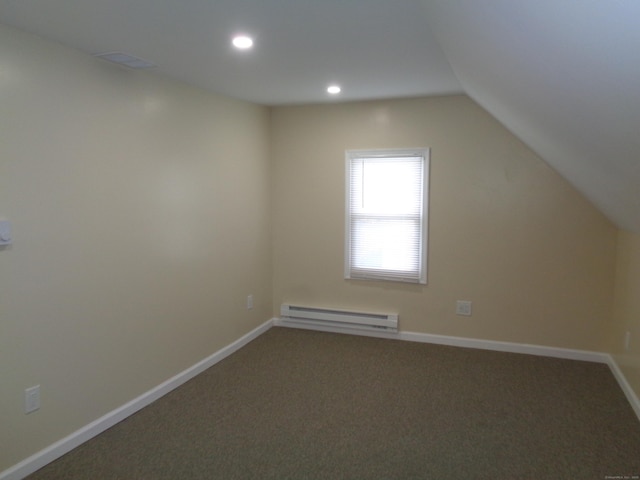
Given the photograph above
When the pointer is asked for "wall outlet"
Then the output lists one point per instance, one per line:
(249, 302)
(5, 232)
(32, 399)
(627, 340)
(463, 307)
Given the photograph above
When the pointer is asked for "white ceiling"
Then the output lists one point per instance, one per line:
(563, 75)
(373, 48)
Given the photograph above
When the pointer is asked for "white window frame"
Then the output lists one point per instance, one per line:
(357, 273)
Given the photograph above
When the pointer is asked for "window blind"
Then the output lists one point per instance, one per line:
(385, 216)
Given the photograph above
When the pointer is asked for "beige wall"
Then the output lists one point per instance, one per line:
(506, 232)
(140, 211)
(626, 313)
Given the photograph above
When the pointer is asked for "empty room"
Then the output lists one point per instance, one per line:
(336, 239)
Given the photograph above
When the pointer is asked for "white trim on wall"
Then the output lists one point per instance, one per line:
(511, 347)
(524, 348)
(65, 445)
(624, 385)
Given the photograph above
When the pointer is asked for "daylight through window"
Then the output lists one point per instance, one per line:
(386, 215)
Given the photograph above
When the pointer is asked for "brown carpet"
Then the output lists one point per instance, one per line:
(296, 404)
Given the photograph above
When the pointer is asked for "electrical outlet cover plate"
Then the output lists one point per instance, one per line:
(463, 307)
(5, 232)
(32, 399)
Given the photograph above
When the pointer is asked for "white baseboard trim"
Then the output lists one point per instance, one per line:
(65, 445)
(511, 347)
(624, 385)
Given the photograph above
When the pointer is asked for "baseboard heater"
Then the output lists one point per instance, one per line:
(325, 317)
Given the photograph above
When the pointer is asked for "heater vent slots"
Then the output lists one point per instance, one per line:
(301, 315)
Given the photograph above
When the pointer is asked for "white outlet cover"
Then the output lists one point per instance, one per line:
(5, 232)
(463, 307)
(32, 399)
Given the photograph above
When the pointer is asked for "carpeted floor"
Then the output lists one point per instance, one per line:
(297, 404)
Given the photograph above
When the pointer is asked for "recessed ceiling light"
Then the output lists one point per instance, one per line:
(334, 89)
(242, 42)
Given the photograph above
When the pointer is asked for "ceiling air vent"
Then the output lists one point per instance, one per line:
(125, 59)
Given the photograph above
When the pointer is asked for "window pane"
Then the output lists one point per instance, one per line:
(386, 244)
(385, 219)
(387, 185)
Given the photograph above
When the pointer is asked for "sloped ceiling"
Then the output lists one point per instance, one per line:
(564, 76)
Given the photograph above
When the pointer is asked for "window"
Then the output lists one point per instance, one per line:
(386, 215)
